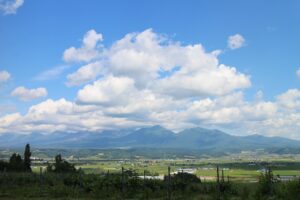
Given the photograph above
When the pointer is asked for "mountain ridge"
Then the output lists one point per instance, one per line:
(150, 137)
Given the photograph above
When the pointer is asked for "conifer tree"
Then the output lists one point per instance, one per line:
(27, 160)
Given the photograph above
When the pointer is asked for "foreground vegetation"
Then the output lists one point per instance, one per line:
(128, 185)
(148, 179)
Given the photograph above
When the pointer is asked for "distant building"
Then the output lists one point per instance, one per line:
(185, 170)
(36, 159)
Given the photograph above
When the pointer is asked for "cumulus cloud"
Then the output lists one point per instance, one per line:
(8, 121)
(235, 41)
(230, 109)
(28, 94)
(216, 82)
(118, 96)
(290, 99)
(88, 50)
(109, 108)
(61, 115)
(4, 76)
(10, 6)
(147, 57)
(146, 78)
(107, 91)
(84, 74)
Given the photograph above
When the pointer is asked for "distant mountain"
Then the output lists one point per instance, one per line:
(151, 137)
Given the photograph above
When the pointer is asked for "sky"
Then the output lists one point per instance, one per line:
(76, 66)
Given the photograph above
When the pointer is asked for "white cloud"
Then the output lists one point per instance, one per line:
(84, 74)
(235, 41)
(216, 82)
(110, 90)
(88, 50)
(146, 79)
(147, 57)
(10, 6)
(51, 73)
(290, 99)
(29, 94)
(298, 73)
(61, 115)
(230, 109)
(4, 76)
(8, 121)
(109, 108)
(118, 96)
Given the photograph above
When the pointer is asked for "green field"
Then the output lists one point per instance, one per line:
(243, 166)
(99, 175)
(234, 171)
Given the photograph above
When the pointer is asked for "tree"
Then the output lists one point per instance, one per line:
(27, 160)
(58, 159)
(265, 184)
(181, 180)
(4, 166)
(16, 163)
(61, 166)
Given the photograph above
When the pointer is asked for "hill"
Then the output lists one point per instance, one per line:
(151, 137)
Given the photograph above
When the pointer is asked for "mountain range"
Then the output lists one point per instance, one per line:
(149, 137)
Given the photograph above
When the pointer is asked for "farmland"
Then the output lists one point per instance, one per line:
(246, 166)
(133, 174)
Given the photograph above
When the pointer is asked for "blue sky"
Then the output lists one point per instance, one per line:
(34, 36)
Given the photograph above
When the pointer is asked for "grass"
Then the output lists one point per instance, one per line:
(236, 169)
(161, 168)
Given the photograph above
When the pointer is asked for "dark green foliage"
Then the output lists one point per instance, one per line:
(109, 186)
(180, 181)
(266, 185)
(4, 166)
(61, 166)
(289, 191)
(16, 163)
(27, 161)
(68, 183)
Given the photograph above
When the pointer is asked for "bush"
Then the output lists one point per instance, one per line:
(61, 166)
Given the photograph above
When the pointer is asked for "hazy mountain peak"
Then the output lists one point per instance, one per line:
(153, 136)
(155, 127)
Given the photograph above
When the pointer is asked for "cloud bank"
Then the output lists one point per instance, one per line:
(146, 78)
